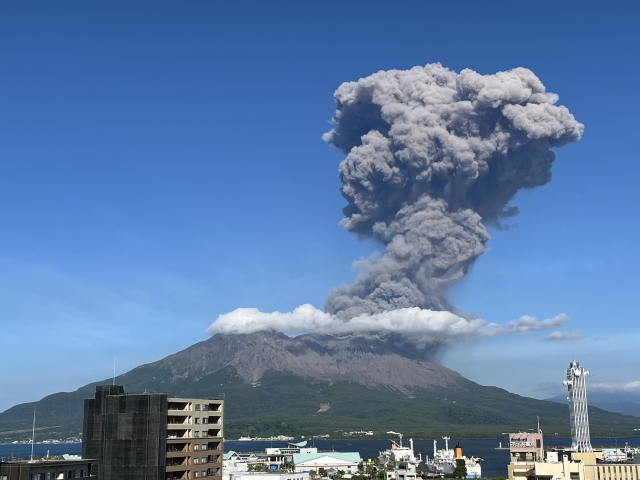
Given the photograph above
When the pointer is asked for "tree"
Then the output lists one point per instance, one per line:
(461, 470)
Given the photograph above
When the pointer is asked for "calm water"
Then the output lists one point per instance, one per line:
(494, 461)
(40, 449)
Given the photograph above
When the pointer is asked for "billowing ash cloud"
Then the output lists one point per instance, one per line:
(433, 156)
(424, 327)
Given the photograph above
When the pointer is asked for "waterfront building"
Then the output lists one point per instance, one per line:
(579, 416)
(152, 436)
(48, 469)
(306, 462)
(274, 457)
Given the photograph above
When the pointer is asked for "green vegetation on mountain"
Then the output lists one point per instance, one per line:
(287, 400)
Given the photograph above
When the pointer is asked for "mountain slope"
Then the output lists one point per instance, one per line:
(276, 384)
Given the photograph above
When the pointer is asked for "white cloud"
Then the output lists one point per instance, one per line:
(528, 324)
(564, 336)
(619, 387)
(422, 324)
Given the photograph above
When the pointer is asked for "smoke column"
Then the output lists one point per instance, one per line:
(433, 156)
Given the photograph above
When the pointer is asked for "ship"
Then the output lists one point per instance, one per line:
(400, 461)
(399, 453)
(444, 461)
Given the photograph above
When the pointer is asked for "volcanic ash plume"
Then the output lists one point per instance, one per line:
(432, 157)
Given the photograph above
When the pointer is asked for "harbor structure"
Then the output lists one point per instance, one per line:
(152, 436)
(579, 416)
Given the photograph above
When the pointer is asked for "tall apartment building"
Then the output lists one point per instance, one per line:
(152, 436)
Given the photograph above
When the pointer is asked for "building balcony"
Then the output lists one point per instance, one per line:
(178, 421)
(176, 473)
(178, 433)
(175, 461)
(177, 447)
(179, 406)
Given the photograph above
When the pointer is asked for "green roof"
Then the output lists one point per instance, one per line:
(299, 444)
(309, 457)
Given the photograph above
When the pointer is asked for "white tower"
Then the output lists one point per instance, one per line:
(575, 382)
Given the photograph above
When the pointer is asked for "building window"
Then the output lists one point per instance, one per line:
(195, 447)
(197, 407)
(205, 420)
(204, 460)
(195, 461)
(197, 419)
(196, 434)
(195, 474)
(204, 446)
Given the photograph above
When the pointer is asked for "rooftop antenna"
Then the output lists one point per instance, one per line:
(538, 417)
(114, 370)
(33, 433)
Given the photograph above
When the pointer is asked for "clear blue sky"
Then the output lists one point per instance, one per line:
(161, 164)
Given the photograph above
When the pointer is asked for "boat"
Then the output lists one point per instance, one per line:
(400, 461)
(245, 439)
(444, 461)
(399, 453)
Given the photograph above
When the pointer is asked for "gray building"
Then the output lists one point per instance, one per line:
(152, 436)
(47, 469)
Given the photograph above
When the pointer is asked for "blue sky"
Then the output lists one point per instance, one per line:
(161, 164)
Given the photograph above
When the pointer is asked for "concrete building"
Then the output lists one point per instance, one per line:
(566, 464)
(577, 396)
(46, 469)
(307, 462)
(152, 436)
(274, 457)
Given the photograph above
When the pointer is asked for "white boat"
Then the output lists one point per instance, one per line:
(401, 458)
(245, 439)
(444, 461)
(399, 453)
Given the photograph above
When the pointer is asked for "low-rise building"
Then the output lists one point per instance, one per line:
(346, 461)
(531, 463)
(46, 469)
